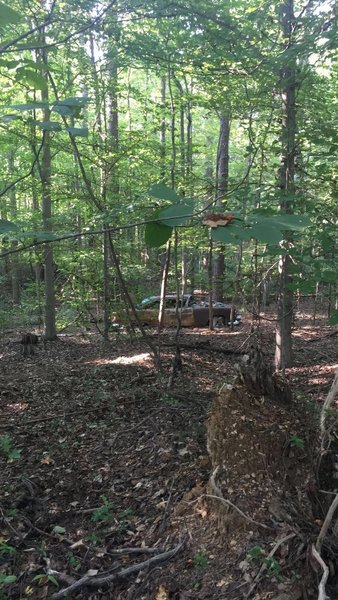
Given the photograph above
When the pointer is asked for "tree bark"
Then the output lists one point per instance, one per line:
(221, 190)
(15, 266)
(283, 351)
(50, 327)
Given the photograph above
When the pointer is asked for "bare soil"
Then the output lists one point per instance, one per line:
(113, 469)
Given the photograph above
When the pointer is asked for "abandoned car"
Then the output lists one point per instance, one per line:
(192, 314)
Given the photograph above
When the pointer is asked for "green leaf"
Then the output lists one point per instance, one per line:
(39, 236)
(77, 101)
(6, 226)
(307, 287)
(267, 234)
(224, 235)
(292, 222)
(334, 318)
(48, 125)
(8, 15)
(9, 118)
(9, 64)
(163, 192)
(58, 529)
(77, 131)
(32, 78)
(157, 235)
(30, 106)
(64, 111)
(15, 454)
(52, 579)
(177, 214)
(7, 579)
(242, 233)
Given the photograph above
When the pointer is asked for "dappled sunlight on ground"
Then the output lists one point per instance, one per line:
(139, 359)
(18, 407)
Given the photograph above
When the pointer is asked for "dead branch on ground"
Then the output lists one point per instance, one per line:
(109, 578)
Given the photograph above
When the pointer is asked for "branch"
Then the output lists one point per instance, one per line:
(95, 582)
(321, 588)
(327, 523)
(329, 400)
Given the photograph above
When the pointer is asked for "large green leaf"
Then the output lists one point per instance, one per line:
(9, 118)
(224, 235)
(177, 214)
(288, 222)
(334, 318)
(242, 233)
(6, 226)
(266, 233)
(8, 15)
(157, 235)
(48, 125)
(39, 236)
(65, 111)
(9, 64)
(32, 78)
(163, 192)
(79, 101)
(77, 131)
(30, 106)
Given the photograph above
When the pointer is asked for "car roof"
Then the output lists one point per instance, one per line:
(169, 296)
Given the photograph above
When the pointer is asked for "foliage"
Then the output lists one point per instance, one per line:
(200, 560)
(6, 448)
(129, 111)
(103, 514)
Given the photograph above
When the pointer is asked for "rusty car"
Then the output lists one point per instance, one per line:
(191, 312)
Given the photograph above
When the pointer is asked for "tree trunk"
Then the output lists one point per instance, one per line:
(283, 351)
(221, 190)
(163, 126)
(15, 267)
(165, 273)
(50, 328)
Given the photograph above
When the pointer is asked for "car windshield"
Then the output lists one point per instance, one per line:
(147, 301)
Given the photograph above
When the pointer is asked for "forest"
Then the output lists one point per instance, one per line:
(168, 300)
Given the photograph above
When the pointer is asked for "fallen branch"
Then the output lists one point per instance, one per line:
(321, 588)
(97, 581)
(330, 398)
(318, 339)
(327, 523)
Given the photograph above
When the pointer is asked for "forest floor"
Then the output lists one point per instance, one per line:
(102, 468)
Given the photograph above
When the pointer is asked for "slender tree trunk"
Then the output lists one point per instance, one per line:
(189, 152)
(15, 267)
(165, 273)
(221, 190)
(50, 328)
(172, 131)
(184, 269)
(163, 126)
(283, 351)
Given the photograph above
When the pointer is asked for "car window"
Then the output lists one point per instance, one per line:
(152, 305)
(170, 303)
